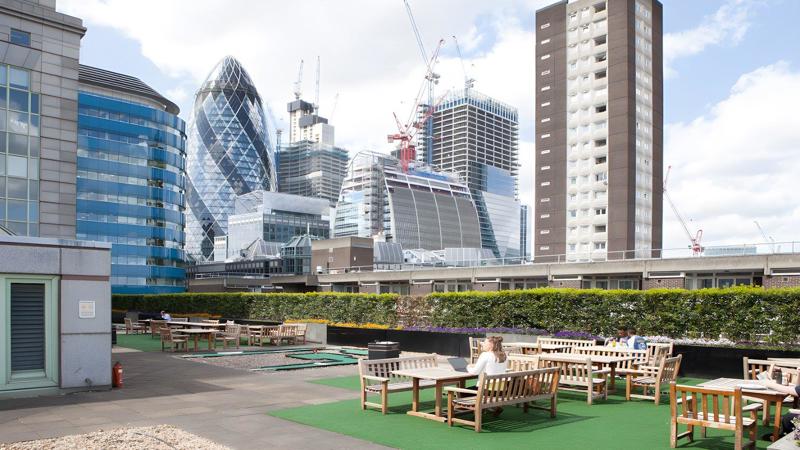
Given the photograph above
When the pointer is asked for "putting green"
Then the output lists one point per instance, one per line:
(611, 424)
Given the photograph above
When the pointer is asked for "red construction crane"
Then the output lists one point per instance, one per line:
(406, 132)
(697, 249)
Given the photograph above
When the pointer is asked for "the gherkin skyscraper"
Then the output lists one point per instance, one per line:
(229, 153)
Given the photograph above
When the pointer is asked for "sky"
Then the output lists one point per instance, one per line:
(731, 89)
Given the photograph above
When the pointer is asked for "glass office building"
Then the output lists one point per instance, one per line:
(420, 209)
(230, 153)
(19, 152)
(131, 180)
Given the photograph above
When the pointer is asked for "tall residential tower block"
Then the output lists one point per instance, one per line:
(599, 130)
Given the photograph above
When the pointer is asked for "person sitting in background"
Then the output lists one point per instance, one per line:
(492, 359)
(621, 339)
(634, 341)
(786, 421)
(165, 316)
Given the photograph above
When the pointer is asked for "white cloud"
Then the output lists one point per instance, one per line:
(739, 163)
(727, 25)
(177, 94)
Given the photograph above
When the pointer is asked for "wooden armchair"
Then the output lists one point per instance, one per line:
(752, 369)
(155, 327)
(474, 349)
(232, 333)
(300, 337)
(175, 341)
(133, 328)
(655, 378)
(716, 408)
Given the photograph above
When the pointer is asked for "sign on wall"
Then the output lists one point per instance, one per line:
(86, 309)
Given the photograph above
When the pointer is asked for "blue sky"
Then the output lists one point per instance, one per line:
(370, 58)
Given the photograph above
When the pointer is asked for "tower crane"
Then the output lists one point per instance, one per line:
(298, 85)
(697, 249)
(407, 130)
(767, 239)
(316, 91)
(469, 83)
(432, 79)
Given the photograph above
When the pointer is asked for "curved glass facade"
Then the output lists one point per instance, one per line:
(419, 209)
(131, 184)
(230, 153)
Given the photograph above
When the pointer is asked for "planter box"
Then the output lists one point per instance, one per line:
(717, 362)
(511, 337)
(355, 337)
(450, 344)
(316, 332)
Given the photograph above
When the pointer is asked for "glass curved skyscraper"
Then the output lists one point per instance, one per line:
(229, 153)
(131, 180)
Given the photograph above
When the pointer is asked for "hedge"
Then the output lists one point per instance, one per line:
(335, 307)
(737, 313)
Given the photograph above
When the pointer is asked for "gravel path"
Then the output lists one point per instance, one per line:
(248, 361)
(161, 437)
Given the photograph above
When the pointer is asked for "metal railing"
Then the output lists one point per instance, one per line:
(756, 249)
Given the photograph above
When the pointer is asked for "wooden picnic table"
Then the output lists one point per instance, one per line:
(761, 394)
(196, 333)
(597, 360)
(442, 376)
(546, 347)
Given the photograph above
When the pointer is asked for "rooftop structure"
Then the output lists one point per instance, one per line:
(312, 169)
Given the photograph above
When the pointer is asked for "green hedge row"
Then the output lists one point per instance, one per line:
(357, 308)
(737, 313)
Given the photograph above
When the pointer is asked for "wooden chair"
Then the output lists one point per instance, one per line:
(623, 367)
(522, 363)
(300, 330)
(655, 378)
(580, 376)
(155, 327)
(175, 341)
(501, 390)
(710, 408)
(572, 343)
(475, 349)
(652, 346)
(377, 377)
(258, 335)
(656, 354)
(752, 368)
(133, 328)
(232, 333)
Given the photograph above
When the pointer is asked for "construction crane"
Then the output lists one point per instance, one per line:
(333, 109)
(432, 79)
(697, 249)
(767, 239)
(469, 83)
(316, 91)
(298, 85)
(407, 130)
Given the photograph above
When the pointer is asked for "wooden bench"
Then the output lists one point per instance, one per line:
(572, 343)
(522, 363)
(623, 367)
(377, 377)
(580, 376)
(284, 333)
(494, 391)
(710, 408)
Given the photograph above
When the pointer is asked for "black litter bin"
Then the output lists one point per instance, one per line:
(383, 350)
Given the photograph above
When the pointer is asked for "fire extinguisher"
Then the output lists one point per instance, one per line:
(116, 375)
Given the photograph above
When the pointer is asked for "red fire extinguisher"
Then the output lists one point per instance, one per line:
(116, 375)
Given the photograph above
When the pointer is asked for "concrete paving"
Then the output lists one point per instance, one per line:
(227, 406)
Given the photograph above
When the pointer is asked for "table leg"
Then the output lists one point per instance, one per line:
(438, 410)
(776, 431)
(613, 386)
(415, 394)
(196, 339)
(211, 341)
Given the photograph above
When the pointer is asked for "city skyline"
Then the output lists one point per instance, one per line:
(705, 109)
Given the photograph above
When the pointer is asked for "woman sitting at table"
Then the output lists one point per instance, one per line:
(794, 391)
(492, 360)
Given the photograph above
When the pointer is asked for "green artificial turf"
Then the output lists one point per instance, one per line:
(610, 424)
(141, 342)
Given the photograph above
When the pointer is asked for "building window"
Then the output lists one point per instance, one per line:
(544, 231)
(599, 245)
(544, 247)
(602, 176)
(599, 211)
(544, 216)
(545, 168)
(545, 88)
(544, 25)
(600, 160)
(544, 41)
(544, 152)
(20, 37)
(573, 213)
(547, 56)
(545, 120)
(546, 72)
(545, 104)
(545, 183)
(599, 228)
(546, 135)
(545, 200)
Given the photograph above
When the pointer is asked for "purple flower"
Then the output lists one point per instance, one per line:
(479, 330)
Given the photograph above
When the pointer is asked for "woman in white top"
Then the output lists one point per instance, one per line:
(492, 360)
